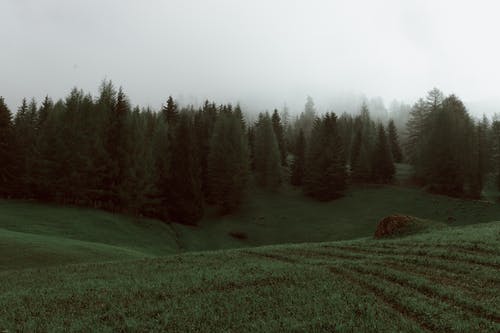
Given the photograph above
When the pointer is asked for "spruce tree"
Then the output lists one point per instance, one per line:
(139, 178)
(7, 152)
(170, 112)
(25, 137)
(44, 110)
(363, 138)
(117, 148)
(360, 163)
(495, 146)
(382, 163)
(266, 154)
(447, 151)
(161, 150)
(307, 118)
(393, 137)
(298, 164)
(185, 193)
(228, 162)
(346, 128)
(204, 121)
(417, 129)
(325, 176)
(279, 132)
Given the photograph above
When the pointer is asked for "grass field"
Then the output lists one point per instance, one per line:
(38, 235)
(441, 281)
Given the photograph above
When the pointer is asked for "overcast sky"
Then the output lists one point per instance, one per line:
(259, 52)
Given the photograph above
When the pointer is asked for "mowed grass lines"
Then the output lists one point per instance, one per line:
(441, 281)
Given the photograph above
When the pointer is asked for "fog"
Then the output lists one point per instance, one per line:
(262, 54)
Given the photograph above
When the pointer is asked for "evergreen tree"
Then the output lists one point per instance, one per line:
(139, 179)
(417, 127)
(397, 155)
(307, 118)
(239, 115)
(44, 110)
(362, 146)
(447, 158)
(170, 112)
(204, 121)
(266, 154)
(251, 146)
(161, 146)
(7, 146)
(25, 138)
(117, 148)
(325, 176)
(280, 135)
(361, 169)
(298, 165)
(185, 193)
(228, 162)
(382, 163)
(495, 146)
(346, 129)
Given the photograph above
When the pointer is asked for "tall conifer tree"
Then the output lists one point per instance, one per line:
(266, 154)
(228, 162)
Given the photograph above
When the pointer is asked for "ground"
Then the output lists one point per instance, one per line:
(75, 269)
(439, 281)
(34, 234)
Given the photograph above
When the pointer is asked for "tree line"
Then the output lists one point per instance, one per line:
(102, 152)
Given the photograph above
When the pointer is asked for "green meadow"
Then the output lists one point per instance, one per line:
(443, 280)
(282, 263)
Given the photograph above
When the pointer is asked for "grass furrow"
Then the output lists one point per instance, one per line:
(452, 296)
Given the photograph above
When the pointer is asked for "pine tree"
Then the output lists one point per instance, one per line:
(7, 152)
(299, 160)
(325, 176)
(25, 138)
(161, 147)
(204, 121)
(117, 148)
(495, 146)
(280, 135)
(364, 136)
(138, 185)
(361, 168)
(251, 145)
(417, 127)
(170, 112)
(44, 110)
(239, 115)
(307, 118)
(382, 163)
(266, 154)
(393, 137)
(346, 128)
(185, 192)
(228, 162)
(447, 152)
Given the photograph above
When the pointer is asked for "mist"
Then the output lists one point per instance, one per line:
(259, 53)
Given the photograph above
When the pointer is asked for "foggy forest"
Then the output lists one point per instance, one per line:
(263, 166)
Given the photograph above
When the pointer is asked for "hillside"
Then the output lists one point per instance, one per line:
(440, 281)
(38, 235)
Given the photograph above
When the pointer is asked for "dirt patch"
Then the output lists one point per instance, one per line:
(393, 225)
(238, 235)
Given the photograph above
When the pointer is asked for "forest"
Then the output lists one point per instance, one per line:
(171, 164)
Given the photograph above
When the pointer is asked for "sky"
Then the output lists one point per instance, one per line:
(261, 53)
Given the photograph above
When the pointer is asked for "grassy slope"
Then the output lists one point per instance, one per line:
(37, 235)
(285, 217)
(442, 281)
(267, 218)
